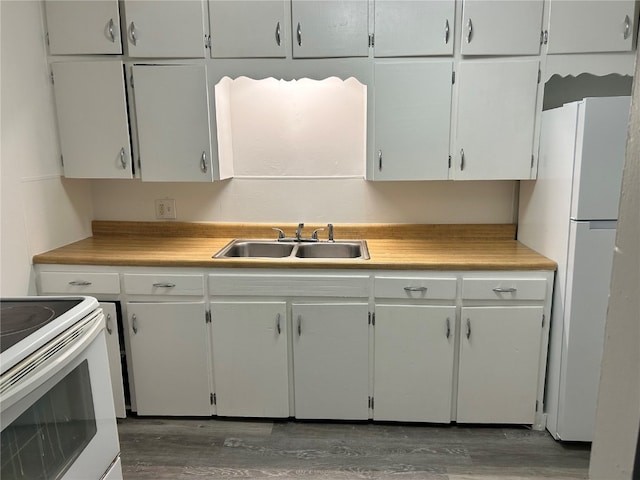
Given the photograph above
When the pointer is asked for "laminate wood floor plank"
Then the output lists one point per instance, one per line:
(184, 449)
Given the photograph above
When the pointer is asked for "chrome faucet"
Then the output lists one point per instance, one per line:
(299, 231)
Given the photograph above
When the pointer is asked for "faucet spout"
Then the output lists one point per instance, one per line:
(299, 231)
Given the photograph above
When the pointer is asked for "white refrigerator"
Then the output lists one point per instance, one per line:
(569, 215)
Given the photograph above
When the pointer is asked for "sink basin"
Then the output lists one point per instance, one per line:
(332, 250)
(241, 248)
(255, 249)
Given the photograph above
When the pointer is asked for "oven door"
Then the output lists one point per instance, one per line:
(58, 419)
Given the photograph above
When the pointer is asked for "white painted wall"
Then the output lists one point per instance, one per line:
(347, 200)
(38, 209)
(618, 413)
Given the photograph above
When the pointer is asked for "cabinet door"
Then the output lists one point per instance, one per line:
(414, 27)
(93, 128)
(331, 360)
(83, 27)
(115, 358)
(169, 355)
(172, 116)
(495, 120)
(511, 27)
(499, 364)
(412, 120)
(250, 358)
(165, 28)
(577, 26)
(330, 29)
(251, 28)
(413, 372)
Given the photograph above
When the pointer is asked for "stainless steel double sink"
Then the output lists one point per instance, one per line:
(241, 248)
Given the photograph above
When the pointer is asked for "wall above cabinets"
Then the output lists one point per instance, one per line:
(454, 87)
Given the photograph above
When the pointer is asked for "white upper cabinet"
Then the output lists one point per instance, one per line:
(591, 26)
(330, 28)
(501, 27)
(164, 28)
(92, 119)
(412, 120)
(172, 116)
(83, 27)
(495, 120)
(414, 27)
(252, 28)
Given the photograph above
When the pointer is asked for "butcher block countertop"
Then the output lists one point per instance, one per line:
(391, 246)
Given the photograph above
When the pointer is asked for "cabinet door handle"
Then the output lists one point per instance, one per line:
(112, 35)
(299, 325)
(132, 33)
(278, 34)
(379, 159)
(627, 27)
(448, 327)
(468, 329)
(79, 283)
(123, 160)
(469, 30)
(446, 31)
(278, 324)
(415, 289)
(164, 285)
(505, 289)
(203, 162)
(134, 323)
(299, 35)
(461, 159)
(108, 324)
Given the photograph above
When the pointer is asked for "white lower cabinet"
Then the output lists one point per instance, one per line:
(499, 364)
(115, 359)
(413, 362)
(331, 360)
(250, 370)
(169, 350)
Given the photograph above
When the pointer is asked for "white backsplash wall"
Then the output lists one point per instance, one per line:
(39, 209)
(347, 200)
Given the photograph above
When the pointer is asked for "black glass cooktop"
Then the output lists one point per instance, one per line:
(20, 318)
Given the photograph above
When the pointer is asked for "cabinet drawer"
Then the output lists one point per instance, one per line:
(290, 285)
(81, 283)
(504, 288)
(415, 287)
(151, 284)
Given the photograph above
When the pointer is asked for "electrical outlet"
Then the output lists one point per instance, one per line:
(165, 208)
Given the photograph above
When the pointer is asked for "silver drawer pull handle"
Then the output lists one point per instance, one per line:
(627, 27)
(123, 160)
(299, 34)
(448, 327)
(299, 325)
(79, 283)
(461, 159)
(446, 31)
(505, 290)
(415, 289)
(278, 34)
(164, 285)
(203, 162)
(278, 324)
(379, 159)
(112, 35)
(468, 329)
(134, 323)
(132, 30)
(109, 330)
(469, 30)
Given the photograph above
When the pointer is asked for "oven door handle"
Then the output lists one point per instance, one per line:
(26, 376)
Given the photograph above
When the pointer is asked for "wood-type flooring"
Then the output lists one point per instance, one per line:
(187, 448)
